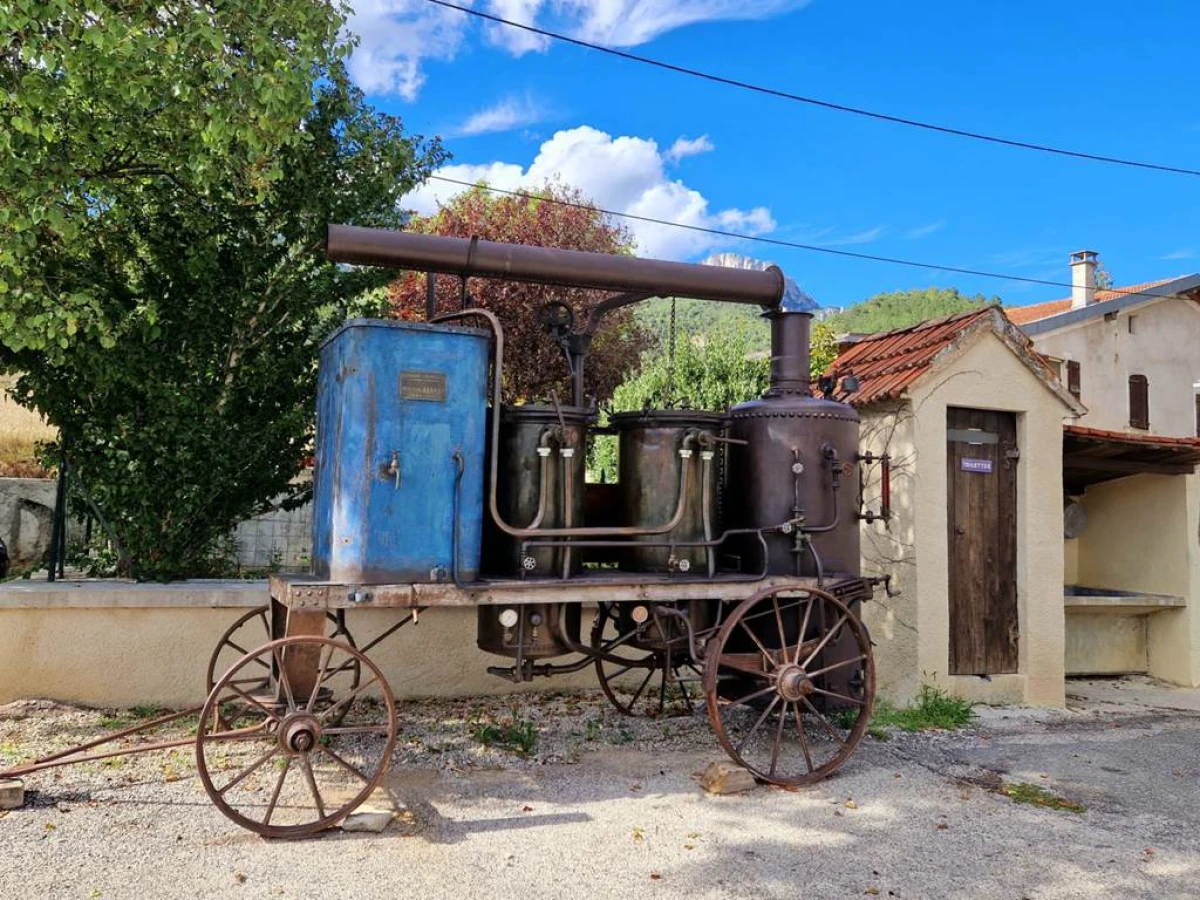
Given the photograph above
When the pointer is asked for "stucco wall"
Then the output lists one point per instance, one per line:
(152, 645)
(1142, 535)
(888, 548)
(983, 374)
(1162, 347)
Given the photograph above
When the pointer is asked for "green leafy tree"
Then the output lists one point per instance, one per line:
(561, 217)
(899, 309)
(164, 290)
(714, 370)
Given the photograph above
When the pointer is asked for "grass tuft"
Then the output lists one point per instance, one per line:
(1035, 795)
(934, 709)
(517, 735)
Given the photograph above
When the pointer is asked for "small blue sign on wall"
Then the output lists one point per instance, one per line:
(983, 466)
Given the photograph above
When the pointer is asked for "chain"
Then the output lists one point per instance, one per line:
(671, 359)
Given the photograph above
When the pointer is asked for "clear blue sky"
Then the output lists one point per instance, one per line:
(1112, 78)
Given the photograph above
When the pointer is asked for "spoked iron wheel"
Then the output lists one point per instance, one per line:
(805, 678)
(252, 630)
(653, 683)
(281, 762)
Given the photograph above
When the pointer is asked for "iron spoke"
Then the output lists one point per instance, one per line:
(312, 784)
(239, 734)
(244, 652)
(645, 682)
(778, 740)
(754, 637)
(312, 698)
(283, 680)
(825, 640)
(837, 665)
(380, 728)
(287, 764)
(804, 627)
(761, 719)
(832, 731)
(750, 697)
(779, 622)
(246, 773)
(353, 770)
(803, 736)
(345, 700)
(249, 699)
(838, 696)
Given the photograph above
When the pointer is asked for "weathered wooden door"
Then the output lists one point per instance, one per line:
(981, 480)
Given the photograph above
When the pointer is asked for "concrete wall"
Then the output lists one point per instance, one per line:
(982, 374)
(1106, 644)
(1162, 347)
(110, 644)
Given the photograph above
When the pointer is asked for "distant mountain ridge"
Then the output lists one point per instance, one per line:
(794, 296)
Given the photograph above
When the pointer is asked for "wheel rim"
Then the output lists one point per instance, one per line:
(253, 629)
(661, 682)
(286, 762)
(805, 678)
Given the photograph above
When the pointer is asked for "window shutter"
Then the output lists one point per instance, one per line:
(1073, 378)
(1139, 401)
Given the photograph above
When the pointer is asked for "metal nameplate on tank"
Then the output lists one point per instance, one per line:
(429, 386)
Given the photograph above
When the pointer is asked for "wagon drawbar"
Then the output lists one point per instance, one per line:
(722, 567)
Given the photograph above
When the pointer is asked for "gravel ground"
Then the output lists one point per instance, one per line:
(610, 807)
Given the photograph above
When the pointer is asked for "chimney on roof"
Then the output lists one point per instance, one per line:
(1083, 278)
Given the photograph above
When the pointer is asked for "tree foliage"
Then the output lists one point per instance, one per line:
(712, 370)
(899, 309)
(163, 227)
(98, 96)
(561, 217)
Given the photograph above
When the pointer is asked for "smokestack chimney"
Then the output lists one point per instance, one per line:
(1083, 278)
(789, 353)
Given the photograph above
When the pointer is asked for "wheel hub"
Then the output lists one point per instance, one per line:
(793, 683)
(300, 733)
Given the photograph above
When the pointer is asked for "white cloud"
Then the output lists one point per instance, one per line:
(922, 231)
(1184, 253)
(627, 23)
(397, 35)
(394, 36)
(517, 41)
(685, 147)
(867, 236)
(508, 114)
(622, 174)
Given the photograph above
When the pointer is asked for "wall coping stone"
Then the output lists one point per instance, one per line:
(112, 593)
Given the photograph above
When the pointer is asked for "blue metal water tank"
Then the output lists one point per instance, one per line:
(398, 403)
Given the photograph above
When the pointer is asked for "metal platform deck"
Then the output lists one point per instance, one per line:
(303, 592)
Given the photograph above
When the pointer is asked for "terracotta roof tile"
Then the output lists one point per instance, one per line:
(1125, 437)
(887, 363)
(1023, 315)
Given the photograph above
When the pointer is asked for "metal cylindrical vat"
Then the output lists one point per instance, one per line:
(654, 629)
(532, 630)
(540, 483)
(799, 460)
(668, 470)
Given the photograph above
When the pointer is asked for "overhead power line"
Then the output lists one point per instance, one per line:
(815, 101)
(779, 242)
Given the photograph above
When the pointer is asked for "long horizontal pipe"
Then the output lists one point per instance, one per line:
(547, 265)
